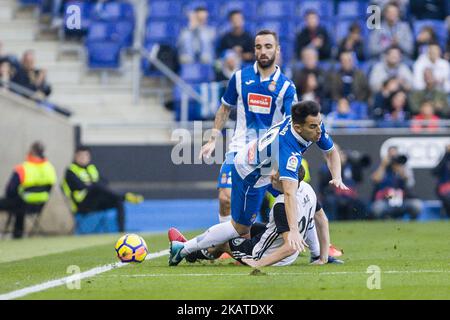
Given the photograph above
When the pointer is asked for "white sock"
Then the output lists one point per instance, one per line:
(217, 234)
(223, 219)
(313, 241)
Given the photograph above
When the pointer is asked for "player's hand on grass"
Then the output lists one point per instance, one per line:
(207, 149)
(319, 262)
(338, 184)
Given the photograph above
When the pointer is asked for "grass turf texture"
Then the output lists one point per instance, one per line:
(414, 259)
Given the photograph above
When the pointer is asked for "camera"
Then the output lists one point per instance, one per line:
(399, 159)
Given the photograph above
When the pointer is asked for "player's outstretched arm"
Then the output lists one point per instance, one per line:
(334, 165)
(222, 116)
(282, 252)
(323, 233)
(290, 202)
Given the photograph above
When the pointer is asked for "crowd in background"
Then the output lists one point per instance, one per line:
(390, 76)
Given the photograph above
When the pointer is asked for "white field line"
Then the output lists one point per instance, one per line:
(71, 279)
(271, 274)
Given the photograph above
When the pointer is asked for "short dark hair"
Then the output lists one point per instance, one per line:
(264, 32)
(233, 12)
(393, 47)
(38, 149)
(301, 110)
(82, 148)
(301, 173)
(200, 8)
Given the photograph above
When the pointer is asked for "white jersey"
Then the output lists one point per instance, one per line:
(272, 238)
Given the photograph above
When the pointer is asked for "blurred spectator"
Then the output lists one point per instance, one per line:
(29, 187)
(392, 32)
(353, 42)
(5, 74)
(426, 120)
(425, 37)
(398, 108)
(430, 93)
(27, 76)
(196, 42)
(88, 191)
(343, 111)
(348, 81)
(429, 9)
(310, 78)
(447, 46)
(344, 204)
(393, 195)
(391, 66)
(442, 171)
(237, 39)
(313, 35)
(381, 98)
(401, 4)
(227, 65)
(440, 68)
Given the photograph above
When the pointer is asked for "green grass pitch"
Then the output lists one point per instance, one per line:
(414, 259)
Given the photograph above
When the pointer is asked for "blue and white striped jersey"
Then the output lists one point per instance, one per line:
(280, 149)
(260, 103)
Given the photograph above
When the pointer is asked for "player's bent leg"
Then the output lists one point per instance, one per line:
(224, 204)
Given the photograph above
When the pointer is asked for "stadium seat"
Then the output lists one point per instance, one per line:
(162, 31)
(103, 54)
(30, 2)
(269, 9)
(248, 8)
(358, 108)
(164, 8)
(96, 222)
(323, 7)
(124, 31)
(351, 9)
(197, 72)
(113, 11)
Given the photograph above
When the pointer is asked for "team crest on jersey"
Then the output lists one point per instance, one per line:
(292, 163)
(259, 103)
(272, 86)
(237, 241)
(223, 180)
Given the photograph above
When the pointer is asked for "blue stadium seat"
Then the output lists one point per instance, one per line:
(113, 11)
(30, 2)
(248, 8)
(124, 31)
(212, 6)
(351, 9)
(284, 28)
(166, 31)
(197, 72)
(324, 8)
(272, 9)
(100, 31)
(438, 26)
(103, 54)
(358, 108)
(164, 8)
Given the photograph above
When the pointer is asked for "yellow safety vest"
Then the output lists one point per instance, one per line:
(36, 180)
(88, 176)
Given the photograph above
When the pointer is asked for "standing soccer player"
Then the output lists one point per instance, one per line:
(262, 96)
(280, 149)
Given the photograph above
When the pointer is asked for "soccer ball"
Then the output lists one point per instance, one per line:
(131, 248)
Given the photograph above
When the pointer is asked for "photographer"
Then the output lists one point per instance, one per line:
(344, 204)
(393, 183)
(442, 171)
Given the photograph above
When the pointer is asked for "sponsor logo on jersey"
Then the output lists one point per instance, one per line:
(259, 103)
(223, 180)
(292, 163)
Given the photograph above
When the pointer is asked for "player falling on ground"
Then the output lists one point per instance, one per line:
(268, 244)
(262, 95)
(280, 149)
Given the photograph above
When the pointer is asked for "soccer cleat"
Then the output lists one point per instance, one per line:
(175, 253)
(335, 252)
(133, 198)
(225, 256)
(175, 235)
(331, 259)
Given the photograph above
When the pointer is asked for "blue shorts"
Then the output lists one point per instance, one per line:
(246, 200)
(224, 180)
